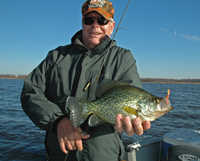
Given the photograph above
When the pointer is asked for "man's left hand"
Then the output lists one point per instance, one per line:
(131, 127)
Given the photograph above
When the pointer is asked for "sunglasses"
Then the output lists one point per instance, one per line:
(90, 20)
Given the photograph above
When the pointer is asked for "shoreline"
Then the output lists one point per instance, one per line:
(11, 78)
(174, 82)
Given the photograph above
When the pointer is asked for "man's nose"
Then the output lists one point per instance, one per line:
(95, 23)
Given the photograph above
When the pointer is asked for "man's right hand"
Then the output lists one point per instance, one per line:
(69, 136)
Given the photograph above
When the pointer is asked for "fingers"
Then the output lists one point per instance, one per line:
(84, 135)
(146, 125)
(118, 125)
(69, 137)
(138, 126)
(131, 127)
(62, 146)
(81, 135)
(78, 141)
(70, 143)
(73, 143)
(66, 141)
(128, 126)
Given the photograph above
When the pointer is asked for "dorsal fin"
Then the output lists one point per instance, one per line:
(107, 84)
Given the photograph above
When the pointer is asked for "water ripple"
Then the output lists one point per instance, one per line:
(21, 140)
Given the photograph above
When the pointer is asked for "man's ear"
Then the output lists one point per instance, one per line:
(112, 27)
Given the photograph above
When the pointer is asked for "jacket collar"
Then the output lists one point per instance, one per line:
(100, 48)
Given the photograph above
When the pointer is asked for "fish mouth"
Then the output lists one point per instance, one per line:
(162, 108)
(164, 111)
(157, 114)
(165, 105)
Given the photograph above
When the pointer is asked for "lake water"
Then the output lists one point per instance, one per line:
(21, 140)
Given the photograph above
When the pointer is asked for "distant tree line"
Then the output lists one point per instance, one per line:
(163, 80)
(12, 76)
(143, 80)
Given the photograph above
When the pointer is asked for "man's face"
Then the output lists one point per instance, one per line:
(93, 34)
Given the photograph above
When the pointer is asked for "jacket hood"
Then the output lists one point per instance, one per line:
(76, 35)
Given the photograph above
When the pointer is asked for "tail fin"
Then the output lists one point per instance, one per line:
(78, 110)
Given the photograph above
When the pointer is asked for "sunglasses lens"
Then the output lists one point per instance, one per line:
(88, 20)
(102, 21)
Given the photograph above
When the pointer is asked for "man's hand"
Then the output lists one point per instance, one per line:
(70, 137)
(131, 127)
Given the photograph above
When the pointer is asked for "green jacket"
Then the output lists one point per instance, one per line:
(65, 72)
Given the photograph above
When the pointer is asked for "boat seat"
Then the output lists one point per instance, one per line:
(183, 152)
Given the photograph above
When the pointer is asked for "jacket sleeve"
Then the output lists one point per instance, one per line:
(35, 104)
(129, 71)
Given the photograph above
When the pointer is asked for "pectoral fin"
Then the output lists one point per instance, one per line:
(95, 120)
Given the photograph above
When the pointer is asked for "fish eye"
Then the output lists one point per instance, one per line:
(156, 101)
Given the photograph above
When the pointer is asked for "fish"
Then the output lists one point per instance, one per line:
(117, 97)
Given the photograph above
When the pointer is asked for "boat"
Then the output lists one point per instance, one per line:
(179, 145)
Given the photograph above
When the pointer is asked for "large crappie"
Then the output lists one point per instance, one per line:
(115, 97)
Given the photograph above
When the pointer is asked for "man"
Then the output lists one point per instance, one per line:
(72, 70)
